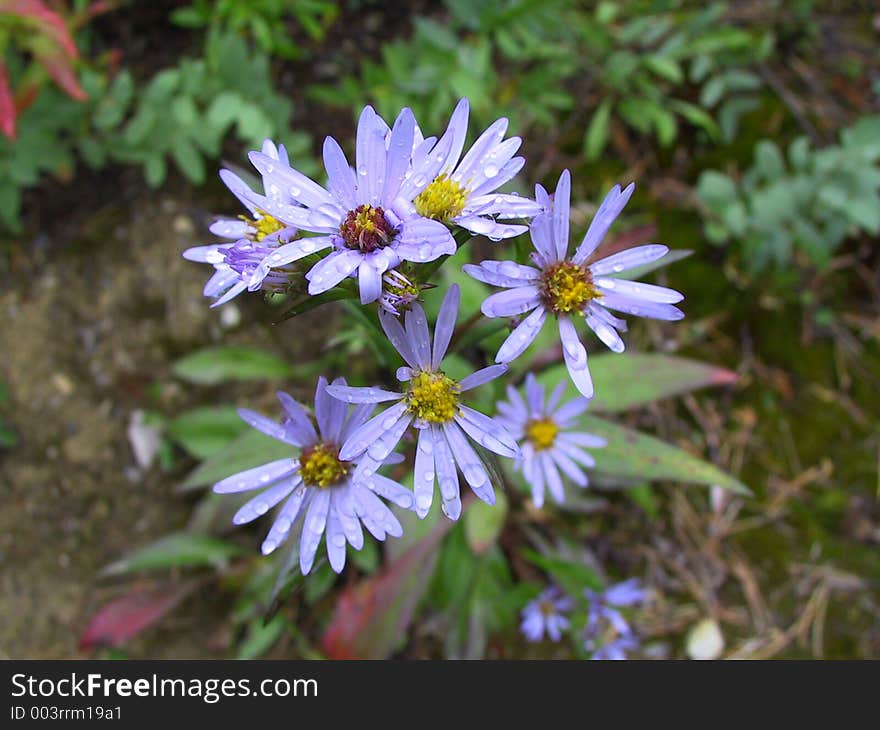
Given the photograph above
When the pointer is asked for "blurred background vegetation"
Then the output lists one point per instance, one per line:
(753, 132)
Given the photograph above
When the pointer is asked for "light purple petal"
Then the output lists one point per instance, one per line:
(303, 430)
(638, 290)
(584, 439)
(572, 470)
(371, 157)
(523, 336)
(503, 205)
(494, 231)
(575, 355)
(418, 337)
(313, 528)
(502, 273)
(256, 478)
(263, 502)
(370, 279)
(299, 187)
(422, 239)
(329, 412)
(534, 396)
(328, 272)
(447, 474)
(511, 302)
(487, 432)
(641, 308)
(445, 324)
(335, 542)
(390, 490)
(352, 394)
(341, 178)
(481, 377)
(485, 142)
(561, 214)
(609, 210)
(471, 467)
(397, 337)
(629, 259)
(359, 441)
(423, 473)
(400, 148)
(286, 516)
(268, 426)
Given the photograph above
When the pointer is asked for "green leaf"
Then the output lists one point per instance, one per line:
(260, 637)
(221, 364)
(178, 550)
(205, 431)
(571, 576)
(597, 133)
(634, 455)
(483, 523)
(250, 449)
(628, 380)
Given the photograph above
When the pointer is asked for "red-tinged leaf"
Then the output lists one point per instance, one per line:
(372, 617)
(58, 66)
(46, 21)
(121, 620)
(7, 105)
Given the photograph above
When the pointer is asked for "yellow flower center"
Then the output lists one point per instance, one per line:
(433, 397)
(542, 433)
(547, 608)
(567, 287)
(319, 466)
(442, 200)
(263, 226)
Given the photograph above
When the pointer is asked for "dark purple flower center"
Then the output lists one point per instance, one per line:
(366, 229)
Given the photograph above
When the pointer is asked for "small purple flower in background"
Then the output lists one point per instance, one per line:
(608, 634)
(565, 287)
(548, 443)
(252, 239)
(360, 216)
(460, 191)
(432, 404)
(318, 484)
(545, 614)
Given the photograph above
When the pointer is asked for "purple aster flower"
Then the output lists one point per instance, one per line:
(607, 630)
(431, 403)
(360, 216)
(547, 439)
(458, 190)
(318, 484)
(252, 239)
(565, 286)
(615, 650)
(545, 614)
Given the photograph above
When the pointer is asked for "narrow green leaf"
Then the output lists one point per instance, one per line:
(483, 523)
(597, 133)
(221, 364)
(205, 431)
(635, 455)
(178, 550)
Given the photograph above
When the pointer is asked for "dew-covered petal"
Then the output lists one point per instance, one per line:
(445, 325)
(212, 254)
(370, 279)
(329, 411)
(342, 502)
(629, 259)
(239, 188)
(502, 273)
(609, 210)
(263, 502)
(230, 294)
(423, 473)
(360, 440)
(493, 230)
(386, 443)
(328, 272)
(268, 426)
(298, 186)
(575, 355)
(561, 212)
(471, 467)
(487, 432)
(541, 232)
(397, 336)
(481, 377)
(468, 166)
(511, 302)
(400, 146)
(423, 239)
(256, 478)
(371, 157)
(521, 337)
(286, 517)
(227, 228)
(641, 308)
(390, 490)
(313, 528)
(603, 330)
(418, 336)
(638, 290)
(335, 540)
(352, 394)
(507, 172)
(503, 205)
(303, 430)
(447, 475)
(341, 178)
